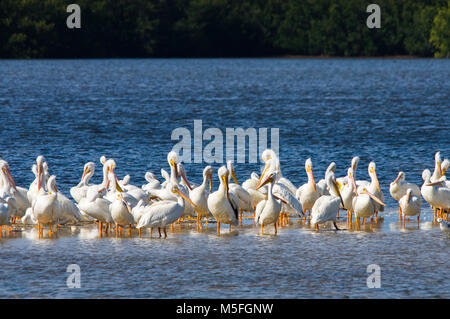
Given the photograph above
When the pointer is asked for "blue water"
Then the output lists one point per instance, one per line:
(392, 111)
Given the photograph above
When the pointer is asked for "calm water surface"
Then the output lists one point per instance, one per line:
(394, 112)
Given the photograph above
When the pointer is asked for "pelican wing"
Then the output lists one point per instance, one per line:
(160, 212)
(287, 183)
(244, 198)
(259, 209)
(283, 193)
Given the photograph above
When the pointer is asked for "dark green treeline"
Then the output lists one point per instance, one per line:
(200, 28)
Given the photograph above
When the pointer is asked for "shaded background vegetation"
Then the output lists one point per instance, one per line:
(185, 28)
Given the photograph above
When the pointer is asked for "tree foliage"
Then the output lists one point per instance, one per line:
(184, 28)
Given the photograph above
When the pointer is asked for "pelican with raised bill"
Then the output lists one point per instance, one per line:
(222, 204)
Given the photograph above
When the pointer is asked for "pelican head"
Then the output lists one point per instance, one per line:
(270, 179)
(444, 166)
(51, 185)
(269, 168)
(207, 173)
(351, 178)
(172, 159)
(308, 168)
(223, 174)
(408, 195)
(39, 161)
(89, 169)
(331, 168)
(373, 173)
(4, 166)
(364, 191)
(174, 188)
(150, 177)
(437, 159)
(267, 155)
(110, 167)
(400, 177)
(103, 159)
(355, 161)
(182, 173)
(333, 185)
(426, 175)
(230, 167)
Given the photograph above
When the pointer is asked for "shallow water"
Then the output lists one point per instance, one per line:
(391, 111)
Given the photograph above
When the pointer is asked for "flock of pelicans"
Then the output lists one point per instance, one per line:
(270, 198)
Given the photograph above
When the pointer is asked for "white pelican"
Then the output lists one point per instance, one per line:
(163, 213)
(152, 182)
(185, 187)
(342, 181)
(348, 193)
(399, 187)
(113, 186)
(326, 207)
(244, 198)
(269, 154)
(436, 194)
(444, 225)
(222, 204)
(268, 211)
(410, 205)
(67, 211)
(307, 194)
(290, 204)
(133, 190)
(138, 211)
(18, 193)
(364, 204)
(322, 187)
(121, 213)
(374, 188)
(79, 191)
(45, 209)
(39, 181)
(96, 207)
(165, 193)
(199, 195)
(437, 174)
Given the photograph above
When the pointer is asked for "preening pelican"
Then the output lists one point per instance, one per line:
(364, 204)
(5, 212)
(199, 195)
(307, 194)
(152, 182)
(79, 191)
(268, 211)
(326, 207)
(121, 213)
(410, 205)
(185, 187)
(163, 213)
(244, 198)
(222, 204)
(96, 207)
